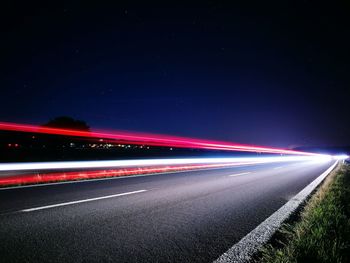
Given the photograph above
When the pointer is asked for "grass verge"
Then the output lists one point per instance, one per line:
(322, 231)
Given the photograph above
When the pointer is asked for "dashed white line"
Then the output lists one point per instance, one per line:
(233, 175)
(279, 167)
(80, 201)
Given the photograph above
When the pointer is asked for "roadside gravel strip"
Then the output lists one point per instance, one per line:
(251, 243)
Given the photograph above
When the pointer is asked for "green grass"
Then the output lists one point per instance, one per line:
(322, 232)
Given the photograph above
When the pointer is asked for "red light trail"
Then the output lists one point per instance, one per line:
(36, 178)
(148, 139)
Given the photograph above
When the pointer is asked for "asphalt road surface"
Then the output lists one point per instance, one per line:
(179, 217)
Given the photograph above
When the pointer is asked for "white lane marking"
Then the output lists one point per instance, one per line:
(253, 241)
(80, 201)
(233, 175)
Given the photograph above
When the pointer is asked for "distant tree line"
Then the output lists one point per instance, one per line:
(13, 140)
(65, 122)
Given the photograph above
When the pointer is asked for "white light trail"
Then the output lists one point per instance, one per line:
(340, 157)
(35, 166)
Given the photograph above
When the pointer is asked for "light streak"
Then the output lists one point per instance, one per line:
(150, 162)
(128, 167)
(149, 139)
(84, 175)
(340, 157)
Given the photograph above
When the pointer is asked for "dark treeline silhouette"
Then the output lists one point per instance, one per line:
(59, 141)
(23, 141)
(65, 122)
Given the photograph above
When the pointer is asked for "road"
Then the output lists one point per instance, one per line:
(179, 217)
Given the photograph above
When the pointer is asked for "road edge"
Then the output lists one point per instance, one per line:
(253, 241)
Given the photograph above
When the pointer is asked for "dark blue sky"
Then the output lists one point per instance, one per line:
(273, 74)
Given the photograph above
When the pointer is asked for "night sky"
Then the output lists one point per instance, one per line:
(270, 74)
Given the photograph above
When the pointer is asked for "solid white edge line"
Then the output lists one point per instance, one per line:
(252, 242)
(80, 201)
(233, 175)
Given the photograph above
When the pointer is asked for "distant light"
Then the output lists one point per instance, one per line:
(340, 157)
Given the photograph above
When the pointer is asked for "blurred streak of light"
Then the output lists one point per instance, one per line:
(340, 157)
(81, 175)
(168, 165)
(151, 162)
(149, 139)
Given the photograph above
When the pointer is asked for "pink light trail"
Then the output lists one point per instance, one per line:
(148, 139)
